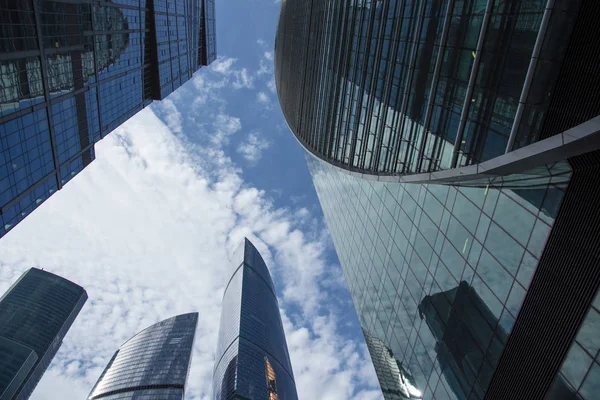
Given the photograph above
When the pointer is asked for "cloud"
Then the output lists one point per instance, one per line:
(263, 98)
(171, 115)
(268, 55)
(147, 229)
(271, 85)
(242, 79)
(252, 148)
(223, 65)
(224, 126)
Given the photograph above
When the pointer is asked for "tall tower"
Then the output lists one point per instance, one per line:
(73, 71)
(152, 364)
(252, 356)
(35, 315)
(454, 146)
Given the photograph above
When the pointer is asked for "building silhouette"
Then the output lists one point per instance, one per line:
(252, 357)
(454, 147)
(154, 364)
(35, 315)
(71, 72)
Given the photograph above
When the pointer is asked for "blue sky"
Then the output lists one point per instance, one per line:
(148, 226)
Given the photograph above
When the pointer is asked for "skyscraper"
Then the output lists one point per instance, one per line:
(454, 146)
(153, 364)
(72, 71)
(35, 315)
(252, 357)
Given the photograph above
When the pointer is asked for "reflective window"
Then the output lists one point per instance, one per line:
(251, 335)
(438, 284)
(36, 314)
(158, 356)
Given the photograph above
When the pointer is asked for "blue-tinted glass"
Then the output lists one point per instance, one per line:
(96, 70)
(450, 306)
(35, 314)
(252, 356)
(150, 362)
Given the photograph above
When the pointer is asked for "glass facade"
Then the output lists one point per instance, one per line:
(252, 357)
(35, 315)
(438, 273)
(154, 364)
(392, 87)
(581, 368)
(438, 148)
(71, 72)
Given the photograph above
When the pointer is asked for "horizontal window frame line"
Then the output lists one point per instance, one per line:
(573, 142)
(560, 294)
(136, 388)
(27, 191)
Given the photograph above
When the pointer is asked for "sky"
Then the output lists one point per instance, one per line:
(148, 227)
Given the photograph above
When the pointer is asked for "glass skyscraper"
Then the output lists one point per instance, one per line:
(72, 71)
(35, 315)
(454, 146)
(252, 359)
(154, 364)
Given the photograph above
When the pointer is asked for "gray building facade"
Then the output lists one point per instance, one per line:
(252, 356)
(73, 71)
(35, 315)
(153, 364)
(454, 147)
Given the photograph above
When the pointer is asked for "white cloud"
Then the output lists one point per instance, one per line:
(242, 79)
(252, 148)
(268, 55)
(171, 115)
(271, 85)
(146, 229)
(223, 127)
(263, 98)
(223, 65)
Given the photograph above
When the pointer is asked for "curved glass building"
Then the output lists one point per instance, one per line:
(252, 359)
(392, 87)
(454, 147)
(35, 315)
(73, 71)
(154, 364)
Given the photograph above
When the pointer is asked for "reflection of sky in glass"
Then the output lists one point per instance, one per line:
(251, 332)
(99, 72)
(379, 104)
(155, 358)
(36, 313)
(437, 273)
(581, 368)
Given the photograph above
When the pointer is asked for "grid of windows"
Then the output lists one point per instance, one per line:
(404, 86)
(36, 313)
(438, 273)
(71, 72)
(581, 367)
(155, 359)
(251, 334)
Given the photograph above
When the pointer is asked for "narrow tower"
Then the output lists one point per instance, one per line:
(35, 315)
(252, 356)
